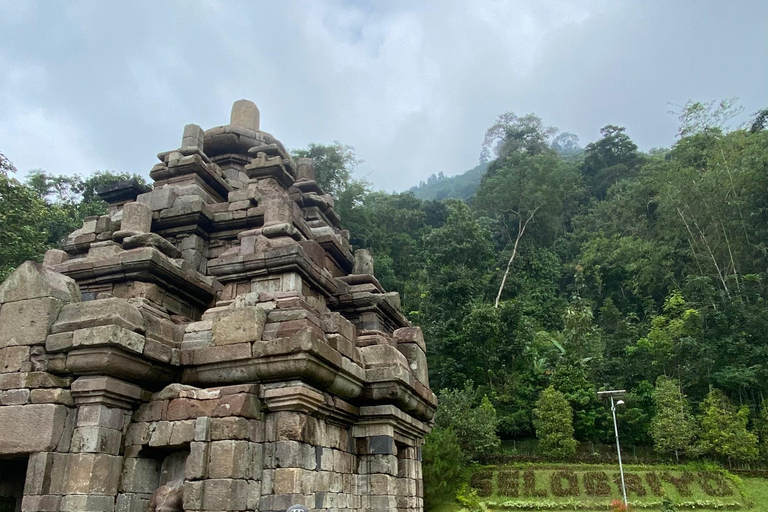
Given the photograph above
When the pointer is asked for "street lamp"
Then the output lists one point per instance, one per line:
(616, 394)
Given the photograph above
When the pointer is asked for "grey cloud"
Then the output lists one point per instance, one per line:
(412, 85)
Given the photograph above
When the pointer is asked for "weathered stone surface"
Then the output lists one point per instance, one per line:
(305, 168)
(58, 342)
(417, 360)
(230, 459)
(152, 240)
(12, 359)
(131, 502)
(96, 440)
(196, 466)
(410, 335)
(378, 356)
(194, 136)
(231, 427)
(76, 503)
(225, 494)
(31, 428)
(186, 408)
(240, 326)
(105, 390)
(111, 311)
(159, 198)
(100, 416)
(363, 262)
(54, 257)
(109, 335)
(140, 475)
(33, 281)
(26, 322)
(14, 397)
(137, 218)
(92, 473)
(51, 396)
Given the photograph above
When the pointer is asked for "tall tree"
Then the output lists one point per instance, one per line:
(443, 463)
(701, 116)
(515, 134)
(6, 165)
(553, 419)
(528, 182)
(566, 144)
(22, 214)
(335, 165)
(69, 199)
(673, 428)
(609, 160)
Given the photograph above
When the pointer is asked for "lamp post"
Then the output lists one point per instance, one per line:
(617, 395)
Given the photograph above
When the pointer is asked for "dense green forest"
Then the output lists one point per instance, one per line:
(566, 271)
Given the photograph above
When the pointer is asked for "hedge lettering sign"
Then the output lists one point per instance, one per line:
(530, 483)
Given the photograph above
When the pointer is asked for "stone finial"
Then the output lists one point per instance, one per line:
(363, 262)
(245, 113)
(193, 137)
(305, 168)
(54, 257)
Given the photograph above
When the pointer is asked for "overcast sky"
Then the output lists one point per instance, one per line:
(413, 86)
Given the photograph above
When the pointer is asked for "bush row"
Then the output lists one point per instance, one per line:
(499, 459)
(601, 505)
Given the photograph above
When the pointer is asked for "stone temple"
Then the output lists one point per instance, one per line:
(211, 344)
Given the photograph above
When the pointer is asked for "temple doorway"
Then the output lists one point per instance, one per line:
(12, 475)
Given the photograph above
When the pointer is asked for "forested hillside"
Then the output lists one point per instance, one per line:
(603, 269)
(565, 272)
(462, 186)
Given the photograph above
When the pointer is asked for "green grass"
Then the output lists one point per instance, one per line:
(747, 493)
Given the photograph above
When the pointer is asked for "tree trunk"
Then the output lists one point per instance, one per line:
(509, 266)
(520, 231)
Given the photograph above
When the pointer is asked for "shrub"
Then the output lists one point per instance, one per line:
(632, 482)
(654, 483)
(667, 505)
(722, 489)
(529, 486)
(724, 429)
(556, 482)
(596, 483)
(475, 427)
(680, 483)
(468, 497)
(553, 419)
(509, 483)
(482, 483)
(443, 462)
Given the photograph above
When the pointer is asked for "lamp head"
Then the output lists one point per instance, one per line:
(620, 402)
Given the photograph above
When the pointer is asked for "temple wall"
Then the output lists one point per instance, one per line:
(211, 344)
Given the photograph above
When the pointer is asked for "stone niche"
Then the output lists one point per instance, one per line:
(212, 343)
